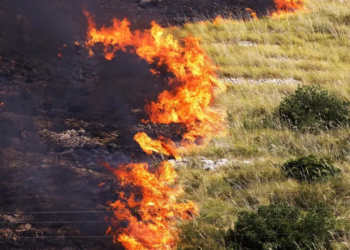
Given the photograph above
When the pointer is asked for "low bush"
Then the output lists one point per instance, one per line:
(279, 226)
(310, 168)
(311, 106)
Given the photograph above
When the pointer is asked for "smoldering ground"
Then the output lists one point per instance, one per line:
(261, 7)
(41, 91)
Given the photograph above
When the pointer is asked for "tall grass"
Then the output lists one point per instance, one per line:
(312, 48)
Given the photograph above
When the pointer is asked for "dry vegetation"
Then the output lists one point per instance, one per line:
(312, 48)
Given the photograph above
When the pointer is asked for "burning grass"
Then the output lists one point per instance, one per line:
(189, 104)
(306, 47)
(311, 48)
(286, 7)
(151, 219)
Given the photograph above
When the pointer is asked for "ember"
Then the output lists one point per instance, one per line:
(252, 13)
(218, 20)
(152, 219)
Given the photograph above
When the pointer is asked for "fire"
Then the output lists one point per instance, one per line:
(59, 55)
(190, 102)
(152, 209)
(283, 8)
(151, 220)
(218, 20)
(149, 146)
(203, 23)
(252, 13)
(287, 7)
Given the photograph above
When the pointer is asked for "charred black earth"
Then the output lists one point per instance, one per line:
(62, 113)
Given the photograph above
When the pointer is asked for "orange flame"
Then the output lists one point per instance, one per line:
(149, 145)
(60, 48)
(284, 8)
(218, 20)
(252, 13)
(152, 218)
(203, 23)
(157, 209)
(287, 7)
(189, 103)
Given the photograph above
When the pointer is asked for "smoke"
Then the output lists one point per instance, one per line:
(39, 28)
(40, 25)
(126, 85)
(34, 83)
(261, 7)
(42, 91)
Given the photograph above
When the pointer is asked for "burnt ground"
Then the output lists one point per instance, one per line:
(60, 117)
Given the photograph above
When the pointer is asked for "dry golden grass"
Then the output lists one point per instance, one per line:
(312, 48)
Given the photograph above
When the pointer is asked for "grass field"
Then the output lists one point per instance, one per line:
(311, 48)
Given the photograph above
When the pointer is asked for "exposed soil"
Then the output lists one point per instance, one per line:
(60, 117)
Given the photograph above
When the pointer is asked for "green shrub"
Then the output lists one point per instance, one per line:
(311, 106)
(197, 234)
(279, 226)
(310, 168)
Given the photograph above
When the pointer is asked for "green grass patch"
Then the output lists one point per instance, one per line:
(313, 49)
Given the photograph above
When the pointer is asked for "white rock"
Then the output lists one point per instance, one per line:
(246, 43)
(262, 81)
(64, 137)
(208, 164)
(208, 161)
(81, 131)
(221, 162)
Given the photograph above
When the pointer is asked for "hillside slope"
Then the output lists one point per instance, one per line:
(262, 62)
